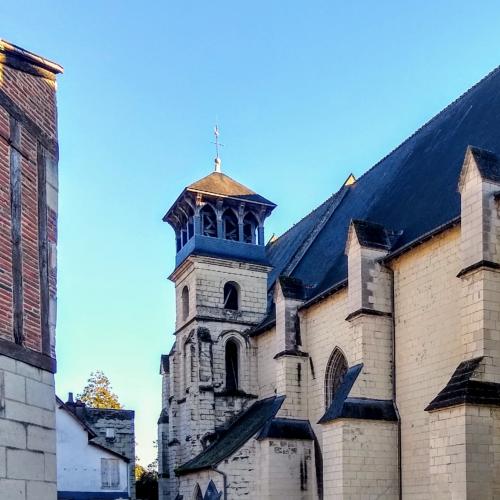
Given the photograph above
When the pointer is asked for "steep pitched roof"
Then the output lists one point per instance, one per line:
(247, 425)
(221, 184)
(413, 190)
(69, 409)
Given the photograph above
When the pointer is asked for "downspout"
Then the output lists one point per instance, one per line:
(393, 334)
(224, 479)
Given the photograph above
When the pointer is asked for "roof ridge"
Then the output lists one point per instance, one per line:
(308, 241)
(431, 120)
(269, 245)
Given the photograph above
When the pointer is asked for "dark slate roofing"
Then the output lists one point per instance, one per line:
(364, 408)
(461, 389)
(292, 288)
(413, 189)
(373, 235)
(487, 162)
(244, 427)
(283, 249)
(287, 428)
(218, 183)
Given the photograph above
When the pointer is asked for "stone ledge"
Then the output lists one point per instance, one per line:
(488, 264)
(28, 356)
(364, 311)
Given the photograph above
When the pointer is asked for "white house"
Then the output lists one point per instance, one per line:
(87, 470)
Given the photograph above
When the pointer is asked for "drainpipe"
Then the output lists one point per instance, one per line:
(224, 479)
(393, 334)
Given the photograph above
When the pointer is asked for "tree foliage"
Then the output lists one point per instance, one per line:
(98, 393)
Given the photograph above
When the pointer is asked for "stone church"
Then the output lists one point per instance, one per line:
(358, 354)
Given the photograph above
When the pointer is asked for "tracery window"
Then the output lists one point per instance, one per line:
(208, 221)
(250, 228)
(230, 225)
(335, 371)
(232, 356)
(231, 299)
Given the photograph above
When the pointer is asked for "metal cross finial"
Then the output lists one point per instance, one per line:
(217, 146)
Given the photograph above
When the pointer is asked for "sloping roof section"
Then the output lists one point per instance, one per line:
(220, 184)
(487, 162)
(343, 406)
(412, 190)
(461, 388)
(247, 425)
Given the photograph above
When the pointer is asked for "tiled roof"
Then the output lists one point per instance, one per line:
(221, 184)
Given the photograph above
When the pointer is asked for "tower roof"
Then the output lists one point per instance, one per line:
(220, 184)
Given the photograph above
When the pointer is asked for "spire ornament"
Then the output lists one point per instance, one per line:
(217, 146)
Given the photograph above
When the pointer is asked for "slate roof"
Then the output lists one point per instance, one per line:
(78, 417)
(343, 406)
(461, 389)
(245, 426)
(487, 162)
(413, 190)
(218, 183)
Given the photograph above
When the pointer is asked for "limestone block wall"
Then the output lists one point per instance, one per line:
(27, 432)
(428, 345)
(362, 459)
(323, 329)
(266, 367)
(465, 452)
(205, 278)
(286, 470)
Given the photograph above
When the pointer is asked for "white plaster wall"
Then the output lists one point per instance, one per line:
(78, 462)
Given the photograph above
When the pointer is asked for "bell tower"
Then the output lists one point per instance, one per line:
(220, 278)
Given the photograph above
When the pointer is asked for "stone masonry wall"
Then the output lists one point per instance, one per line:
(428, 346)
(27, 432)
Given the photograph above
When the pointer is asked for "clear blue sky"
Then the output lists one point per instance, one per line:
(304, 92)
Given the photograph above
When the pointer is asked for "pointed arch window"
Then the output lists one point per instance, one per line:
(335, 371)
(230, 225)
(197, 495)
(250, 228)
(185, 302)
(231, 296)
(208, 221)
(232, 359)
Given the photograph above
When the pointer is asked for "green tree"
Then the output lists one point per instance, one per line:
(98, 394)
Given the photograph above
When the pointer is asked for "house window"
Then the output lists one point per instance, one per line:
(230, 224)
(231, 365)
(185, 302)
(110, 473)
(231, 300)
(110, 433)
(335, 371)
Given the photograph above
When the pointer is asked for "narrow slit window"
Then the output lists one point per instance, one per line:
(231, 365)
(185, 302)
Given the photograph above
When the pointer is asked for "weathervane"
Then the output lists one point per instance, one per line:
(217, 146)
